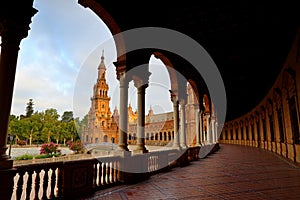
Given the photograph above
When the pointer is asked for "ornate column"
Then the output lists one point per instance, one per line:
(208, 136)
(216, 132)
(14, 26)
(141, 87)
(182, 124)
(197, 121)
(213, 132)
(176, 120)
(201, 127)
(123, 118)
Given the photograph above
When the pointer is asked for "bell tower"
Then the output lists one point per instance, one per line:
(99, 114)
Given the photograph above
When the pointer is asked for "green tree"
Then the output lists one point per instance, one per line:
(73, 131)
(30, 127)
(13, 127)
(67, 116)
(29, 108)
(50, 123)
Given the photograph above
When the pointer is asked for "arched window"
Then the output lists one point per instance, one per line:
(105, 138)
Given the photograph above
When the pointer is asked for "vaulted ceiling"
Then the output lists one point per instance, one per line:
(248, 40)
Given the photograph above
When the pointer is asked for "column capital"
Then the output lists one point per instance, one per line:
(140, 76)
(123, 80)
(120, 68)
(173, 95)
(139, 83)
(14, 25)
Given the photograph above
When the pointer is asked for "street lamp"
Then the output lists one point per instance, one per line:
(11, 138)
(112, 142)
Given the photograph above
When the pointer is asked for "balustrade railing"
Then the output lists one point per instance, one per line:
(71, 178)
(38, 181)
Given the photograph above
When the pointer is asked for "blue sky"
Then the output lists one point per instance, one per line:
(58, 62)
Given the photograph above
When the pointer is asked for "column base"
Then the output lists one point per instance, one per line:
(176, 146)
(183, 146)
(123, 148)
(122, 153)
(140, 151)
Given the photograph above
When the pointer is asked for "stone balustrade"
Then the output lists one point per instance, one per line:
(73, 178)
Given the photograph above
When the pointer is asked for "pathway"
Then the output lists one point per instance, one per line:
(234, 172)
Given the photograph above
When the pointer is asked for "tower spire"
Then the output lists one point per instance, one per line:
(101, 67)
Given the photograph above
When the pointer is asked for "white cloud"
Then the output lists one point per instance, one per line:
(58, 62)
(62, 35)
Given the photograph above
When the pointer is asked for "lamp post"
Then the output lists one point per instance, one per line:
(112, 142)
(11, 138)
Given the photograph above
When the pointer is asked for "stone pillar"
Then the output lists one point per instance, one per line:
(141, 87)
(182, 124)
(176, 121)
(197, 121)
(14, 26)
(201, 128)
(216, 132)
(208, 136)
(123, 118)
(213, 133)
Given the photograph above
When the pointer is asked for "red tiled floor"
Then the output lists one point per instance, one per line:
(234, 172)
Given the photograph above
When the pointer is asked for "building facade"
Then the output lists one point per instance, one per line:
(103, 125)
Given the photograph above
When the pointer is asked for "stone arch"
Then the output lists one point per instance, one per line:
(290, 90)
(197, 92)
(206, 104)
(270, 113)
(112, 25)
(278, 106)
(171, 70)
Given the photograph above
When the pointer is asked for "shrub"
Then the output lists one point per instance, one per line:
(24, 157)
(48, 148)
(21, 142)
(76, 146)
(46, 156)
